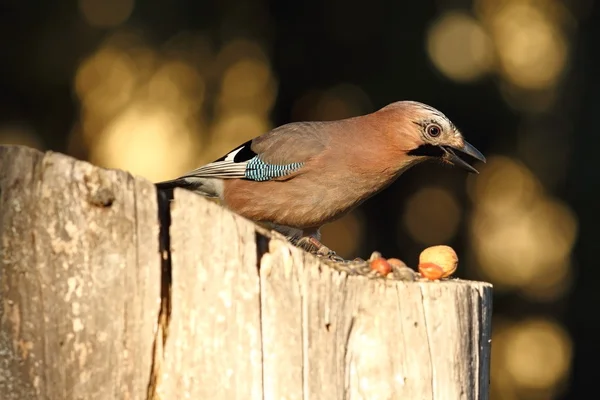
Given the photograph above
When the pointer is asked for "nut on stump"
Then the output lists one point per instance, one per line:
(431, 271)
(381, 265)
(437, 262)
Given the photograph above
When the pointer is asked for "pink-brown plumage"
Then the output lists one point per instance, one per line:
(333, 181)
(303, 175)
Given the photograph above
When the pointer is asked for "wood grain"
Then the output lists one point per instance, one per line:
(330, 336)
(213, 348)
(79, 274)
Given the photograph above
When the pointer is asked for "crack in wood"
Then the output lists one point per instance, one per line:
(164, 312)
(262, 247)
(428, 336)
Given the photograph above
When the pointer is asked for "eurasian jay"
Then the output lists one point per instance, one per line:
(302, 175)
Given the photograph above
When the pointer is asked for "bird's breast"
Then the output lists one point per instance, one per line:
(307, 200)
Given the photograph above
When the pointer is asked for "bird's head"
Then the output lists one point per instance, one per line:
(427, 133)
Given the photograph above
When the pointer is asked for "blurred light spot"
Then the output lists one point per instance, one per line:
(248, 85)
(341, 101)
(245, 98)
(144, 109)
(432, 215)
(552, 285)
(530, 359)
(502, 385)
(504, 184)
(537, 354)
(519, 247)
(232, 129)
(532, 50)
(344, 236)
(459, 47)
(246, 78)
(141, 111)
(177, 84)
(145, 140)
(105, 83)
(521, 237)
(106, 13)
(20, 134)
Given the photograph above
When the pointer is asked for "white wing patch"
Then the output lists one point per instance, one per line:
(232, 154)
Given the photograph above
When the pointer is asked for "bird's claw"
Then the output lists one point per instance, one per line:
(357, 266)
(330, 254)
(313, 246)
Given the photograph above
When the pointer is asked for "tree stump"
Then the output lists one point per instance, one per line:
(110, 291)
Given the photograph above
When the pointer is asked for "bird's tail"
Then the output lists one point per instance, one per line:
(201, 186)
(173, 183)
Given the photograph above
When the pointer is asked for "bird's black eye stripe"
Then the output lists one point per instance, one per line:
(427, 150)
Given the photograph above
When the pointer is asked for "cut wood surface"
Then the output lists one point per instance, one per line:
(95, 303)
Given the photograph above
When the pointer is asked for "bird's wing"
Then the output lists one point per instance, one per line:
(274, 155)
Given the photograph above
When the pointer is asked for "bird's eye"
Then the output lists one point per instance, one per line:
(434, 130)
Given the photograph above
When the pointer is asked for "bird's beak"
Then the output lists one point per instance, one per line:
(468, 149)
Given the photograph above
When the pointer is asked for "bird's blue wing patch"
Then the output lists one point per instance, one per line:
(258, 170)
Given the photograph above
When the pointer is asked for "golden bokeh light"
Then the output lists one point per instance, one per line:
(141, 111)
(531, 47)
(345, 235)
(537, 353)
(522, 238)
(232, 129)
(502, 386)
(530, 358)
(245, 79)
(432, 215)
(552, 285)
(459, 47)
(246, 96)
(177, 84)
(145, 140)
(248, 84)
(505, 183)
(106, 13)
(105, 82)
(143, 108)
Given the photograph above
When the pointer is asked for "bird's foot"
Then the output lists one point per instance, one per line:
(375, 267)
(314, 246)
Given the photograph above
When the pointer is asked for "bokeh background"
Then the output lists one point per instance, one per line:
(158, 88)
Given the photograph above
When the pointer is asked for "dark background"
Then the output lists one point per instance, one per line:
(158, 88)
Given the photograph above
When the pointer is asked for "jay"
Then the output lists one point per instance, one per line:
(302, 175)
